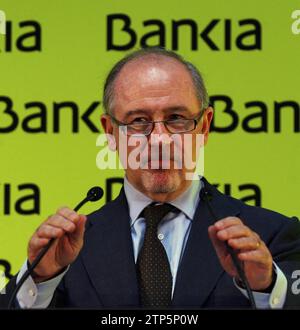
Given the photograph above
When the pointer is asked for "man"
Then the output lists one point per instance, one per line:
(158, 244)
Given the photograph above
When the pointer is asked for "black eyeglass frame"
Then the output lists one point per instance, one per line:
(195, 120)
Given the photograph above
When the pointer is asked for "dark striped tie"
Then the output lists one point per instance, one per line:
(153, 269)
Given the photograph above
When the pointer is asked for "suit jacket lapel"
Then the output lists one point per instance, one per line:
(200, 269)
(108, 256)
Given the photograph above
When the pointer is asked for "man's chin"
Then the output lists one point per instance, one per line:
(161, 180)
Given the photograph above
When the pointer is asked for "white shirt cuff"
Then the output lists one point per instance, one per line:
(37, 295)
(273, 300)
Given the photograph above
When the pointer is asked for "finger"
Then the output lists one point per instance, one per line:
(235, 231)
(228, 222)
(68, 213)
(47, 231)
(61, 222)
(245, 243)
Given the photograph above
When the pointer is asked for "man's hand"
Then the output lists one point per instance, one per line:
(250, 249)
(68, 228)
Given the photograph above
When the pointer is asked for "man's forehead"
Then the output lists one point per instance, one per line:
(153, 79)
(152, 92)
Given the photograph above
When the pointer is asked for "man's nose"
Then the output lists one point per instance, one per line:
(160, 134)
(159, 128)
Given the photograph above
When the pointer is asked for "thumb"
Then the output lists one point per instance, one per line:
(222, 252)
(218, 245)
(78, 233)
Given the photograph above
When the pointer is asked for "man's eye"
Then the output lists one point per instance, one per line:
(139, 120)
(175, 117)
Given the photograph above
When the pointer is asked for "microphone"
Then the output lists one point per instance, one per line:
(93, 195)
(206, 195)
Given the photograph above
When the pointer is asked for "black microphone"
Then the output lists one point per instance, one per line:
(93, 195)
(207, 196)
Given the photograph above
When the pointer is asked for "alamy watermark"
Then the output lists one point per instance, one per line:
(154, 152)
(296, 284)
(2, 22)
(296, 24)
(2, 282)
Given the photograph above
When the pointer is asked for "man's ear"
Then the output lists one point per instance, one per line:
(108, 128)
(206, 122)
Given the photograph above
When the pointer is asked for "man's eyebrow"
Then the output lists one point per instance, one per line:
(136, 112)
(167, 110)
(180, 108)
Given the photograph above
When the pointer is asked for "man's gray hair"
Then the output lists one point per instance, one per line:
(108, 93)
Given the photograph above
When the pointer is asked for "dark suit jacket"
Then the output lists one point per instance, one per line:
(104, 274)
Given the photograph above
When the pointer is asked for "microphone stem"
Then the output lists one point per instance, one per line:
(79, 205)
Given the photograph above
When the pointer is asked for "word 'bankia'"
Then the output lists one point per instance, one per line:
(245, 34)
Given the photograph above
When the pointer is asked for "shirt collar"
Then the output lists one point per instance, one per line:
(186, 202)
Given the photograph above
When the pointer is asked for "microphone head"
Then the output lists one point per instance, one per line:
(94, 194)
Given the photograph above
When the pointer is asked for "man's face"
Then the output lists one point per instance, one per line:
(155, 89)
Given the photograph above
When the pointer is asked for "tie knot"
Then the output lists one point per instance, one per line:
(154, 213)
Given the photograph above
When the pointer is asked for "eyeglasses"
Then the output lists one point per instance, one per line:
(174, 126)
